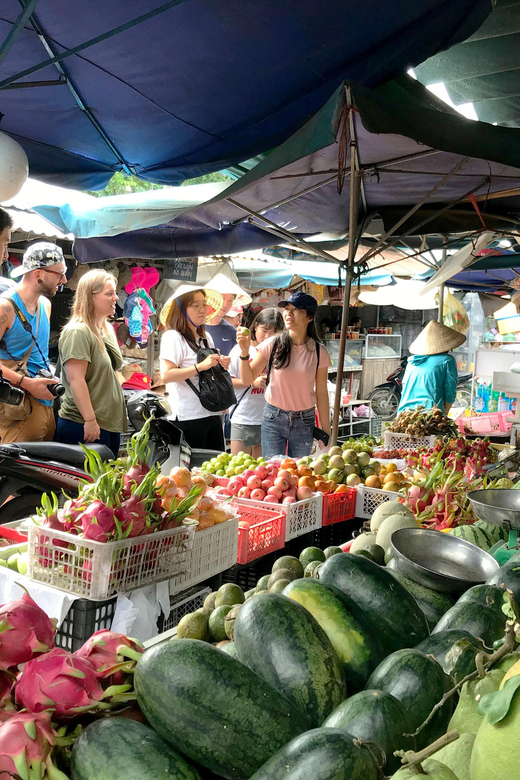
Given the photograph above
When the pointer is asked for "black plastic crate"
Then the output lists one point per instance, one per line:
(183, 603)
(336, 534)
(83, 619)
(248, 574)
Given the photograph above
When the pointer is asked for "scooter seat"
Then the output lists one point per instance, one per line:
(51, 450)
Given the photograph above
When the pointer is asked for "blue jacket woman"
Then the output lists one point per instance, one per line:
(431, 377)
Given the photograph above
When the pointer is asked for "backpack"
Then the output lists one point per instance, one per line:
(216, 392)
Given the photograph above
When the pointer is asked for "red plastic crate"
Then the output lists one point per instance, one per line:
(338, 507)
(265, 535)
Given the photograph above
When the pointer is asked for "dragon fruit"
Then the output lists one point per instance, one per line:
(26, 743)
(25, 631)
(64, 684)
(6, 685)
(111, 653)
(71, 514)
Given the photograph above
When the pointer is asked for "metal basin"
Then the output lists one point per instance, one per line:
(440, 561)
(501, 507)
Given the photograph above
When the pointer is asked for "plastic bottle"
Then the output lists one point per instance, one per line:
(503, 403)
(493, 401)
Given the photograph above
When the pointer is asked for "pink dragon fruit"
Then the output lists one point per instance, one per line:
(64, 684)
(71, 514)
(26, 743)
(25, 631)
(6, 685)
(97, 522)
(111, 653)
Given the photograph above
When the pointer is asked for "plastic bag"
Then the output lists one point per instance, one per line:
(454, 315)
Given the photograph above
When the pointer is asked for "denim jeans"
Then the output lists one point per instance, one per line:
(69, 432)
(287, 432)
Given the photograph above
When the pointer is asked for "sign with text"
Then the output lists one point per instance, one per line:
(183, 269)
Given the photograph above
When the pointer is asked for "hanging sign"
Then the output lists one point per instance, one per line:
(183, 269)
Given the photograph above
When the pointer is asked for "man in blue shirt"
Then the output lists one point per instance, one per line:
(431, 375)
(21, 358)
(223, 334)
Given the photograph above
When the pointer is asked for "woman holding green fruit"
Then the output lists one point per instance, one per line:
(296, 380)
(246, 415)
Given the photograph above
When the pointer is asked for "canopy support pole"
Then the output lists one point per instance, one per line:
(441, 287)
(285, 233)
(355, 186)
(17, 28)
(383, 240)
(98, 39)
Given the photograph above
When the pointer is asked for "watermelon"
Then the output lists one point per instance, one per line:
(377, 600)
(474, 534)
(321, 754)
(378, 717)
(488, 595)
(482, 622)
(496, 532)
(419, 683)
(212, 708)
(115, 748)
(440, 644)
(432, 603)
(283, 644)
(507, 578)
(358, 650)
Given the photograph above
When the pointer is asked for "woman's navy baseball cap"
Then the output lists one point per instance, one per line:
(301, 300)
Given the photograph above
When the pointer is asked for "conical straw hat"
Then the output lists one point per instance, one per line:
(434, 339)
(214, 300)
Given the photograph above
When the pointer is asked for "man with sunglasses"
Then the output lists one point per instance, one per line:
(24, 342)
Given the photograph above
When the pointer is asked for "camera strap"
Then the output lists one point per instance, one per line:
(26, 325)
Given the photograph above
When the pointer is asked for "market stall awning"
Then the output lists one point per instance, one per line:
(412, 149)
(485, 68)
(175, 89)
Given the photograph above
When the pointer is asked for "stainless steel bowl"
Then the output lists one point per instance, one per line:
(501, 507)
(440, 561)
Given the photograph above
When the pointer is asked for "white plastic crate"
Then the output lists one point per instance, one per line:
(183, 603)
(97, 570)
(368, 499)
(394, 441)
(301, 517)
(214, 550)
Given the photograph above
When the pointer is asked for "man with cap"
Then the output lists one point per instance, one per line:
(24, 342)
(431, 375)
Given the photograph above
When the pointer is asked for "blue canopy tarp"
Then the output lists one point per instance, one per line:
(411, 147)
(175, 89)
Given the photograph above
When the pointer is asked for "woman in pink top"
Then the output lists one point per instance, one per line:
(297, 380)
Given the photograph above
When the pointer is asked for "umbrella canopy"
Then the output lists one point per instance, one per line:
(412, 148)
(175, 89)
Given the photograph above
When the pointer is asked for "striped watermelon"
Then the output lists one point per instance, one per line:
(473, 534)
(496, 532)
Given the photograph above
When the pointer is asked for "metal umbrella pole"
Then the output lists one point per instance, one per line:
(441, 287)
(355, 183)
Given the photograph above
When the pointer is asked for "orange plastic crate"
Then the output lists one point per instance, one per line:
(265, 535)
(338, 507)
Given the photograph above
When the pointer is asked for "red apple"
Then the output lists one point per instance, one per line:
(275, 491)
(288, 493)
(303, 493)
(272, 469)
(261, 471)
(253, 482)
(222, 491)
(288, 500)
(284, 474)
(266, 484)
(244, 492)
(234, 485)
(282, 483)
(258, 494)
(293, 481)
(246, 474)
(270, 499)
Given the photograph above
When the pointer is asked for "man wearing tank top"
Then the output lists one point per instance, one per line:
(41, 273)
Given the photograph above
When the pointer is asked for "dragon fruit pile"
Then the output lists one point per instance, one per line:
(44, 690)
(123, 498)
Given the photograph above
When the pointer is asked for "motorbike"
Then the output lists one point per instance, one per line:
(29, 469)
(385, 398)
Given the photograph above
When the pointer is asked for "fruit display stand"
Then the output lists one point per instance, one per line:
(368, 499)
(395, 441)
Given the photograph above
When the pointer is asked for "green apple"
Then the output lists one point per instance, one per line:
(23, 563)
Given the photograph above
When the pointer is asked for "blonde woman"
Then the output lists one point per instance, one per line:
(93, 406)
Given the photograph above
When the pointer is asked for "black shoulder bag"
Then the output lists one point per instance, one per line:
(216, 392)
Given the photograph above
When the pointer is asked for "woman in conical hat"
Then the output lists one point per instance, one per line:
(431, 376)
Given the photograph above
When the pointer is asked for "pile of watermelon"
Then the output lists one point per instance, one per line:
(326, 680)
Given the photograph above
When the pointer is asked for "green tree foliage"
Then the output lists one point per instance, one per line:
(120, 184)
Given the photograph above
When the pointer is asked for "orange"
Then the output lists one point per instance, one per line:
(163, 481)
(288, 463)
(181, 476)
(390, 467)
(322, 487)
(217, 515)
(205, 504)
(333, 485)
(393, 486)
(342, 489)
(373, 481)
(391, 478)
(205, 521)
(306, 482)
(201, 482)
(304, 471)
